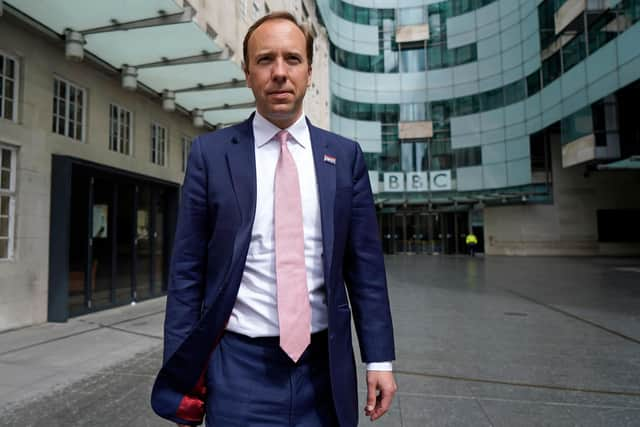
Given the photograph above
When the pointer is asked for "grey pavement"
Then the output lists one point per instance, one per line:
(497, 341)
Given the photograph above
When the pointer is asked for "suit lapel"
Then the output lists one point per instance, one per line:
(241, 162)
(326, 178)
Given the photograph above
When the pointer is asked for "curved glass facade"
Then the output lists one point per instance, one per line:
(459, 104)
(487, 75)
(371, 16)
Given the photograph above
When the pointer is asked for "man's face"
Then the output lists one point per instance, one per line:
(277, 71)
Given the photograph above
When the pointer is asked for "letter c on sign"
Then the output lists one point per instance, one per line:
(437, 180)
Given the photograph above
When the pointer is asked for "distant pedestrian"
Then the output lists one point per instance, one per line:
(472, 241)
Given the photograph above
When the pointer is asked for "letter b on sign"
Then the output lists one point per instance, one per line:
(394, 182)
(417, 181)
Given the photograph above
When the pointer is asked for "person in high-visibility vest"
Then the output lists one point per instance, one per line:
(471, 241)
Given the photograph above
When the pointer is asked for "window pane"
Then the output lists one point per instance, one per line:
(576, 125)
(412, 60)
(5, 180)
(551, 69)
(8, 109)
(468, 157)
(466, 105)
(6, 159)
(465, 54)
(533, 83)
(491, 99)
(4, 227)
(573, 52)
(514, 92)
(10, 71)
(8, 85)
(4, 205)
(4, 248)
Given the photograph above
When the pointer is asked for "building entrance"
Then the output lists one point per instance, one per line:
(412, 232)
(117, 229)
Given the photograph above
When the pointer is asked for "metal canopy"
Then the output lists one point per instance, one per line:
(160, 38)
(79, 15)
(151, 44)
(214, 98)
(631, 163)
(189, 75)
(227, 117)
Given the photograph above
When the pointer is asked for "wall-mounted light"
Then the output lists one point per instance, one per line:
(129, 77)
(74, 45)
(198, 118)
(168, 100)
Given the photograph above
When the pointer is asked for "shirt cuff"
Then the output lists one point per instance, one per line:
(380, 366)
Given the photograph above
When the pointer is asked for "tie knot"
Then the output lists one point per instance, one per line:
(282, 137)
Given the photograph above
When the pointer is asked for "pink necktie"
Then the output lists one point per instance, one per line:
(294, 311)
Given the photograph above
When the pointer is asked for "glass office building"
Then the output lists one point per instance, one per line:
(511, 118)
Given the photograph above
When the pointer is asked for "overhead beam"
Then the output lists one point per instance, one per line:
(234, 83)
(163, 19)
(193, 59)
(225, 107)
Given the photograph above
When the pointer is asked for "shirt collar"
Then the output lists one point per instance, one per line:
(264, 131)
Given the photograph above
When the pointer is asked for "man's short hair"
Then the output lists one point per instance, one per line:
(306, 31)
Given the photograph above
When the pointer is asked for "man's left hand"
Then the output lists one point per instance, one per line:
(381, 387)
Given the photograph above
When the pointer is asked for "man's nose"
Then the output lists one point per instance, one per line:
(279, 70)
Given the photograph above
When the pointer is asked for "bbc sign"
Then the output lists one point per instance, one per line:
(396, 182)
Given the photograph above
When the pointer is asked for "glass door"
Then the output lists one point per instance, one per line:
(421, 233)
(102, 242)
(387, 232)
(142, 282)
(157, 243)
(462, 229)
(124, 231)
(80, 279)
(400, 233)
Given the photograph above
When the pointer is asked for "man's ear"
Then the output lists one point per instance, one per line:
(309, 76)
(246, 73)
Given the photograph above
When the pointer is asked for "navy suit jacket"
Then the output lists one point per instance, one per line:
(215, 219)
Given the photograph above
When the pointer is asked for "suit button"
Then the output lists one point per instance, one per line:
(332, 337)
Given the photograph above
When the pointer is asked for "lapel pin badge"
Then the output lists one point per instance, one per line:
(329, 159)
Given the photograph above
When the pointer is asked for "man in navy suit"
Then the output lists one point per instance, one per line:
(276, 227)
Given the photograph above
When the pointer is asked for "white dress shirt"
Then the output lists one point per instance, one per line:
(255, 312)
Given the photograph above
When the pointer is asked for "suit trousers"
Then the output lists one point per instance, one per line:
(251, 382)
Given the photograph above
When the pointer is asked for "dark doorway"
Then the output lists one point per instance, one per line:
(419, 231)
(118, 228)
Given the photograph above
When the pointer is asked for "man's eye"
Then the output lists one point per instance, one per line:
(263, 60)
(294, 60)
